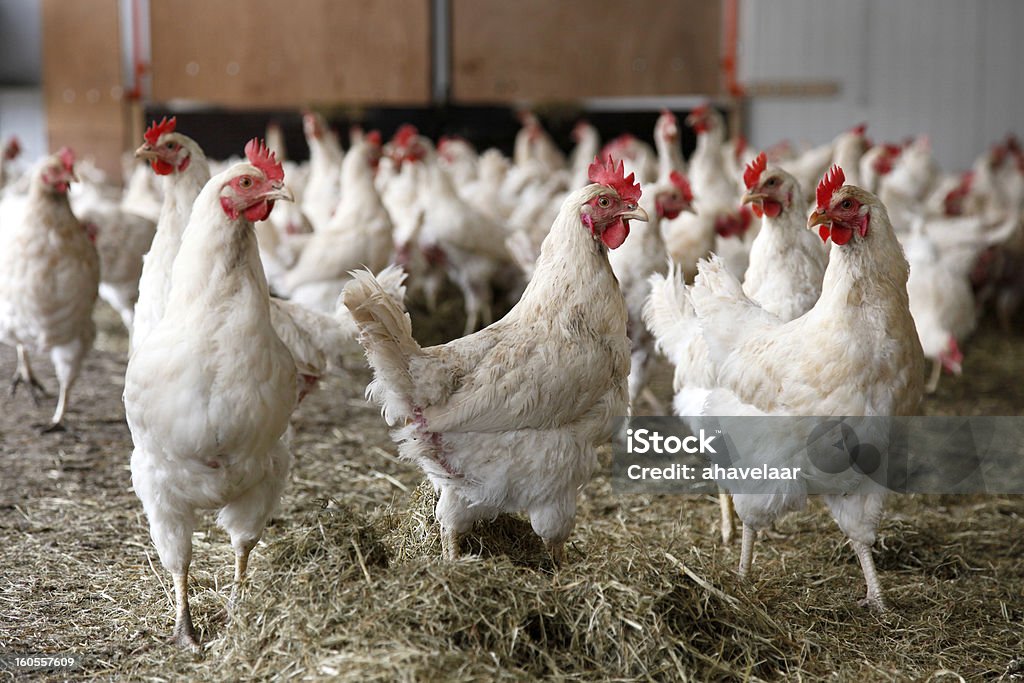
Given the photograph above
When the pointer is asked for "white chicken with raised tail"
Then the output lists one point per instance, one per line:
(49, 277)
(209, 391)
(787, 264)
(855, 353)
(509, 418)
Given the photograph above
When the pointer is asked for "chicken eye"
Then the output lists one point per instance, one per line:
(170, 145)
(771, 182)
(245, 182)
(847, 204)
(604, 202)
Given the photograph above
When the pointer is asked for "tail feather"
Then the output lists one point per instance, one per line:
(727, 317)
(669, 315)
(385, 333)
(392, 281)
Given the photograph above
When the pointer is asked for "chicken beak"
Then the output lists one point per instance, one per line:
(819, 217)
(753, 197)
(634, 214)
(279, 191)
(145, 151)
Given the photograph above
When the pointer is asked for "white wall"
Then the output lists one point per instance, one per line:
(953, 69)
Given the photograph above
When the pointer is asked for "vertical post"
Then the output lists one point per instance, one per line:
(441, 50)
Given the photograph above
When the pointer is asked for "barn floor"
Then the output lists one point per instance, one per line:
(347, 582)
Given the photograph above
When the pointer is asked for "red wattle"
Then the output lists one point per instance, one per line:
(259, 212)
(162, 167)
(841, 234)
(757, 209)
(615, 234)
(824, 231)
(771, 208)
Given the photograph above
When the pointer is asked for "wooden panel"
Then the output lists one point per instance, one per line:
(268, 53)
(564, 50)
(82, 88)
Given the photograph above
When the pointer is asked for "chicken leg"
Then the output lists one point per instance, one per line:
(728, 522)
(747, 550)
(184, 634)
(23, 375)
(874, 598)
(67, 362)
(449, 544)
(933, 379)
(242, 551)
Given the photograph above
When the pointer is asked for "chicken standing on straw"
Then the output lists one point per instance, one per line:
(209, 391)
(508, 418)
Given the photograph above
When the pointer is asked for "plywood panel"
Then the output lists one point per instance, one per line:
(82, 79)
(268, 53)
(565, 50)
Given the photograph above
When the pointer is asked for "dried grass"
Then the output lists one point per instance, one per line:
(348, 583)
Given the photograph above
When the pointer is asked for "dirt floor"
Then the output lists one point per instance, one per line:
(347, 582)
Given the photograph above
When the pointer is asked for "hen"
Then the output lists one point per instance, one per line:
(178, 158)
(634, 263)
(855, 353)
(784, 277)
(508, 418)
(209, 391)
(321, 194)
(357, 235)
(315, 340)
(49, 276)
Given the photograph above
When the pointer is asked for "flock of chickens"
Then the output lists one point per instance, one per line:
(241, 284)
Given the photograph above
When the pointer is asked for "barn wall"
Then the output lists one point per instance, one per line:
(267, 53)
(563, 50)
(948, 68)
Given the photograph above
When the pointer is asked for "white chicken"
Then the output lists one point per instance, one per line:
(634, 263)
(49, 276)
(359, 234)
(855, 353)
(209, 391)
(182, 162)
(508, 419)
(787, 264)
(322, 191)
(316, 341)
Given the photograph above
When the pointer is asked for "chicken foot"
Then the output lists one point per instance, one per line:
(242, 552)
(23, 375)
(874, 598)
(184, 633)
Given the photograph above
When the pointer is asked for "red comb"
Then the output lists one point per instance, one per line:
(701, 109)
(262, 158)
(754, 169)
(680, 181)
(667, 115)
(373, 138)
(859, 129)
(607, 173)
(67, 157)
(404, 135)
(832, 181)
(155, 129)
